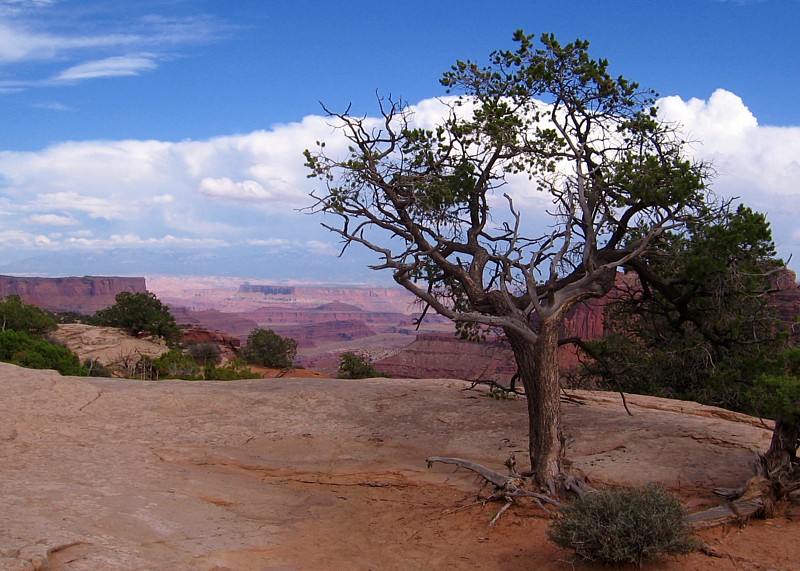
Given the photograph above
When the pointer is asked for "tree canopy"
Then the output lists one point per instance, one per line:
(700, 326)
(267, 348)
(441, 207)
(15, 315)
(139, 313)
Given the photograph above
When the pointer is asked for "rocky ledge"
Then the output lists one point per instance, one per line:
(324, 474)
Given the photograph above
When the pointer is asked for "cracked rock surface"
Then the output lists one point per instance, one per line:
(319, 473)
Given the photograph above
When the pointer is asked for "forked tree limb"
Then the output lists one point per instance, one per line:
(499, 480)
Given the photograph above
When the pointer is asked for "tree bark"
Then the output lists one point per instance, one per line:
(537, 365)
(780, 464)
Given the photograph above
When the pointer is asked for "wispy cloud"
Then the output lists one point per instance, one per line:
(18, 42)
(52, 106)
(32, 34)
(14, 7)
(117, 66)
(53, 220)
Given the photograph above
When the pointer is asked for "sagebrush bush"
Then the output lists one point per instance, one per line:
(623, 526)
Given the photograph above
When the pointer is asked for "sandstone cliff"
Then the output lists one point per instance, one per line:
(238, 325)
(85, 294)
(443, 355)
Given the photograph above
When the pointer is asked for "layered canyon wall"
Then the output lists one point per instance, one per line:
(85, 294)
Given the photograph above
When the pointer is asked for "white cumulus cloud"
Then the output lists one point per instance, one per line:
(247, 191)
(247, 188)
(758, 164)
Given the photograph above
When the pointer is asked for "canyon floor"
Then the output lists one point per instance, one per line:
(294, 474)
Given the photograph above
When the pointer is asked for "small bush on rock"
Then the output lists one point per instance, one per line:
(232, 371)
(352, 366)
(96, 369)
(266, 348)
(623, 526)
(204, 353)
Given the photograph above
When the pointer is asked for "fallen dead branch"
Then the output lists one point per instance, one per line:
(752, 500)
(508, 487)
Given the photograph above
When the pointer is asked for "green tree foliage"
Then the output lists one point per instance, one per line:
(617, 527)
(352, 366)
(776, 392)
(174, 364)
(68, 317)
(25, 350)
(267, 348)
(704, 329)
(18, 316)
(204, 353)
(139, 313)
(696, 324)
(231, 371)
(429, 202)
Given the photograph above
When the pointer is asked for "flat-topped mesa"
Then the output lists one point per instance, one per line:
(376, 299)
(266, 289)
(85, 294)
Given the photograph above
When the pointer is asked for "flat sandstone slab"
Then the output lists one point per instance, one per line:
(314, 473)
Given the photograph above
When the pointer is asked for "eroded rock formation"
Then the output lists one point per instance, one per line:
(85, 294)
(108, 346)
(228, 344)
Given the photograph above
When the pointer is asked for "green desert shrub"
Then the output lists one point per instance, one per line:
(352, 366)
(266, 348)
(204, 353)
(232, 371)
(16, 315)
(139, 313)
(22, 349)
(623, 526)
(96, 369)
(175, 364)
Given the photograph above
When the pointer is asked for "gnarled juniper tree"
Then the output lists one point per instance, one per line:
(427, 201)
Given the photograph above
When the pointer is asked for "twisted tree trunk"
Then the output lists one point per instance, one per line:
(537, 365)
(780, 464)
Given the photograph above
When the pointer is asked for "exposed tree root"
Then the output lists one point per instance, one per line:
(778, 476)
(755, 499)
(508, 487)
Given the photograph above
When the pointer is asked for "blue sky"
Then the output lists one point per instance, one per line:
(169, 126)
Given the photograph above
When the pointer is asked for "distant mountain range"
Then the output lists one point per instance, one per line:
(294, 265)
